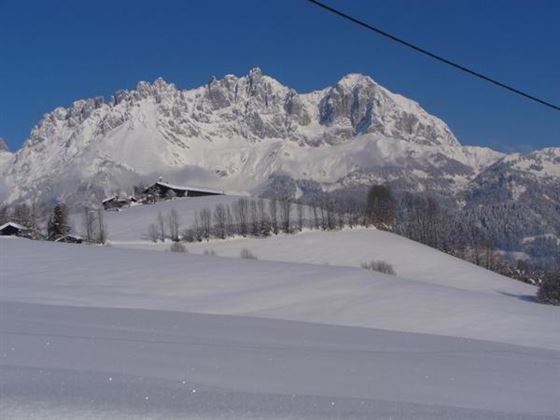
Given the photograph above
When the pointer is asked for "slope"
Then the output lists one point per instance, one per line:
(101, 276)
(68, 362)
(351, 248)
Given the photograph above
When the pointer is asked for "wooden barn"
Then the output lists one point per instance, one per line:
(14, 229)
(162, 190)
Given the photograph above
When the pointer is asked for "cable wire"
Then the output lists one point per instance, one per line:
(432, 55)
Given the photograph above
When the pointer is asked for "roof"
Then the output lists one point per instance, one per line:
(109, 199)
(182, 188)
(173, 187)
(78, 238)
(14, 225)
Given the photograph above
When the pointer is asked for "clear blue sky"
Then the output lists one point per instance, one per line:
(54, 52)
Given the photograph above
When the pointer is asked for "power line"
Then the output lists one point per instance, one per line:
(432, 55)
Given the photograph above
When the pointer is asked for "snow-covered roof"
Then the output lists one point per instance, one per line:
(183, 188)
(108, 199)
(205, 190)
(79, 238)
(14, 225)
(173, 187)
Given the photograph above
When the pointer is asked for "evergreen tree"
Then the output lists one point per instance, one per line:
(58, 223)
(380, 207)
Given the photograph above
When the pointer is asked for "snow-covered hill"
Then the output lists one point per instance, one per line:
(121, 333)
(350, 248)
(235, 133)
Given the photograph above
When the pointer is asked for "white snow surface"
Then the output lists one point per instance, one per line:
(123, 331)
(102, 332)
(67, 362)
(105, 276)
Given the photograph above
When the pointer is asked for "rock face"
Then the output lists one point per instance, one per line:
(3, 146)
(235, 133)
(253, 134)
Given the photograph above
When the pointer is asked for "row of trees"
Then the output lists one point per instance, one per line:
(54, 224)
(420, 218)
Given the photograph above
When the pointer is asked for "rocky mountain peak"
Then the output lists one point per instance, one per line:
(4, 145)
(244, 127)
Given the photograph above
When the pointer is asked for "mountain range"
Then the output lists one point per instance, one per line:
(239, 133)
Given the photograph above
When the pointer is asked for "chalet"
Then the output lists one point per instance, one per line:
(115, 202)
(70, 239)
(14, 229)
(164, 190)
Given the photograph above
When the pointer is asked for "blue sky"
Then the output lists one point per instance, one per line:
(54, 52)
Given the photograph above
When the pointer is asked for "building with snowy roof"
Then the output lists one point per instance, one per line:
(162, 189)
(14, 229)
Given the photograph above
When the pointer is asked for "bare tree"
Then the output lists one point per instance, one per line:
(206, 223)
(229, 222)
(241, 214)
(220, 221)
(161, 227)
(315, 209)
(285, 211)
(264, 222)
(153, 232)
(174, 225)
(88, 224)
(101, 231)
(254, 218)
(300, 215)
(273, 211)
(196, 228)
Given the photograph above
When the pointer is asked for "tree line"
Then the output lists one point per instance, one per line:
(54, 224)
(418, 217)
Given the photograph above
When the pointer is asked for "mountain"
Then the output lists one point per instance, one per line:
(253, 134)
(235, 133)
(6, 159)
(518, 197)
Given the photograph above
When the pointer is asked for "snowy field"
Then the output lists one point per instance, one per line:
(350, 248)
(110, 363)
(102, 332)
(124, 332)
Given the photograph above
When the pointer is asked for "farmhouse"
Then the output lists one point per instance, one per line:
(164, 190)
(14, 229)
(115, 202)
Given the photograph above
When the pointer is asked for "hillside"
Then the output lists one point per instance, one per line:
(350, 248)
(113, 277)
(143, 333)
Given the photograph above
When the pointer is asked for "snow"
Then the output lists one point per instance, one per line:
(349, 248)
(103, 332)
(237, 127)
(111, 277)
(182, 188)
(14, 225)
(135, 220)
(108, 199)
(123, 363)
